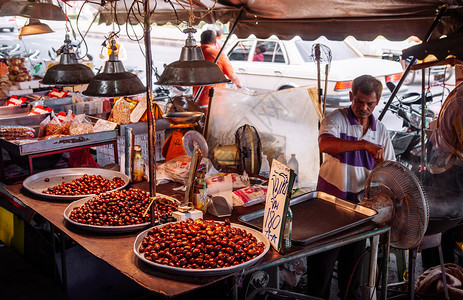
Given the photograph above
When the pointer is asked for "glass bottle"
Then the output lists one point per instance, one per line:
(200, 193)
(288, 229)
(138, 164)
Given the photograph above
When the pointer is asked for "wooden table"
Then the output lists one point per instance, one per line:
(117, 250)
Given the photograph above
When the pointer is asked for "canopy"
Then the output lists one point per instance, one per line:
(335, 19)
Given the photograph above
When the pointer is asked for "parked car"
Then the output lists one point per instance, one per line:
(8, 23)
(274, 64)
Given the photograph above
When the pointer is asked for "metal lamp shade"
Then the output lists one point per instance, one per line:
(12, 8)
(114, 82)
(35, 27)
(68, 73)
(44, 11)
(191, 69)
(192, 73)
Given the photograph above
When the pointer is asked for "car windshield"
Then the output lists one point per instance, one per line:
(339, 50)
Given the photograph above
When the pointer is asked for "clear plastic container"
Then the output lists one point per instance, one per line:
(294, 164)
(265, 167)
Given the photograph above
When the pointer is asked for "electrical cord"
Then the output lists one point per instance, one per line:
(367, 250)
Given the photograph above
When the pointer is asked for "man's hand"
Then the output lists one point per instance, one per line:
(377, 152)
(333, 145)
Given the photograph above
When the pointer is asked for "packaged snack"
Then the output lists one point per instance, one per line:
(120, 113)
(39, 109)
(249, 196)
(17, 70)
(55, 93)
(43, 126)
(54, 127)
(15, 132)
(13, 101)
(80, 125)
(66, 120)
(177, 169)
(239, 181)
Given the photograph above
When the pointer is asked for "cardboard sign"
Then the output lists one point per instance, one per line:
(277, 201)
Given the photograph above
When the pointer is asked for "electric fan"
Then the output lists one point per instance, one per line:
(250, 149)
(397, 195)
(244, 154)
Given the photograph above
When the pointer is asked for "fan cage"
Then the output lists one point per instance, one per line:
(411, 209)
(250, 149)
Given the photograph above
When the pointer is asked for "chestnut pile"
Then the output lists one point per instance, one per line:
(200, 244)
(85, 185)
(119, 208)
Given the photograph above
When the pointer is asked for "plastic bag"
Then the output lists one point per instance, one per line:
(177, 169)
(66, 120)
(239, 181)
(54, 127)
(80, 125)
(120, 113)
(81, 158)
(249, 196)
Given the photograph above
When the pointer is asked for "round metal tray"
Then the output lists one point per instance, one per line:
(183, 117)
(105, 229)
(96, 228)
(204, 272)
(36, 183)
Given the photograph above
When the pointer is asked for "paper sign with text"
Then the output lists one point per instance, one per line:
(276, 204)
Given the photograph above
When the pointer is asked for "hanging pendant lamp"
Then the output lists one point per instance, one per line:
(114, 81)
(191, 69)
(42, 10)
(68, 71)
(34, 26)
(12, 8)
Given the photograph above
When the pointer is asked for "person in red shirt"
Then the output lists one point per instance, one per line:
(210, 52)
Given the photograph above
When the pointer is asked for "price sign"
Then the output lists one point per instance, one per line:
(276, 203)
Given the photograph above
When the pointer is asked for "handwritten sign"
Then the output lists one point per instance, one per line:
(276, 203)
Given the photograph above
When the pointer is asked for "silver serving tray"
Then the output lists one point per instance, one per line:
(105, 229)
(36, 146)
(317, 215)
(203, 272)
(36, 183)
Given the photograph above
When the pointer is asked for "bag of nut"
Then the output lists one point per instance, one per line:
(120, 113)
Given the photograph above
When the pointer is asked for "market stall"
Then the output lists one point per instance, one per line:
(164, 282)
(118, 251)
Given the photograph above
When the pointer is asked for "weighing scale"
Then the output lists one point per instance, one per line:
(183, 139)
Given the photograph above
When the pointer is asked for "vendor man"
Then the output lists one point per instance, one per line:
(353, 142)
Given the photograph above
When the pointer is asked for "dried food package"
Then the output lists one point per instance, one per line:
(54, 127)
(43, 126)
(17, 70)
(16, 132)
(120, 113)
(80, 125)
(66, 121)
(39, 109)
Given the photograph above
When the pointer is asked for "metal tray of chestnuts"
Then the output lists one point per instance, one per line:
(126, 227)
(202, 271)
(40, 182)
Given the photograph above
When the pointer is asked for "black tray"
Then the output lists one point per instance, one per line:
(317, 215)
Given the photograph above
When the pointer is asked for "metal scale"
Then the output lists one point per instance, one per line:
(180, 142)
